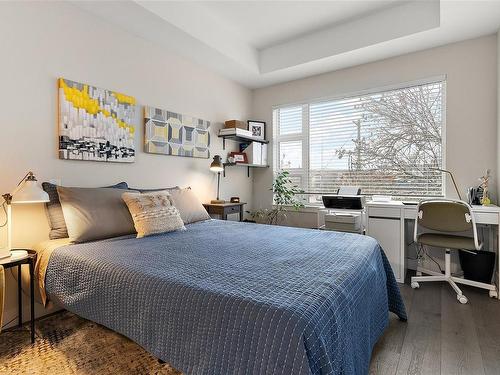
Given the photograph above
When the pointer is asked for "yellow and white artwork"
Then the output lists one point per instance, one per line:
(95, 124)
(170, 133)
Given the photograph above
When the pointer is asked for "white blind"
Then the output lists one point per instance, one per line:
(290, 120)
(386, 142)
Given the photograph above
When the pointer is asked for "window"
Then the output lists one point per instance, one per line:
(387, 142)
(290, 154)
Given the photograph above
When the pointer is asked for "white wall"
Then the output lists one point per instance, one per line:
(498, 110)
(471, 103)
(40, 42)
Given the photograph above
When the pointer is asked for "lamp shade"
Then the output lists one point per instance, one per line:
(217, 165)
(30, 192)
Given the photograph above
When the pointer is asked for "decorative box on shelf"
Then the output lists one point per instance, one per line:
(235, 124)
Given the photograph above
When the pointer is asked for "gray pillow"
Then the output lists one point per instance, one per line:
(95, 213)
(55, 215)
(189, 205)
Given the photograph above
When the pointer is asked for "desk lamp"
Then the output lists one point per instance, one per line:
(217, 167)
(452, 179)
(27, 191)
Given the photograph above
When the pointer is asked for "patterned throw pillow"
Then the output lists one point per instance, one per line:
(153, 213)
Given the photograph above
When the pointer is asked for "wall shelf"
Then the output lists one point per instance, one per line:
(244, 165)
(239, 138)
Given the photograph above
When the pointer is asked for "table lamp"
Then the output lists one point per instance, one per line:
(217, 167)
(27, 191)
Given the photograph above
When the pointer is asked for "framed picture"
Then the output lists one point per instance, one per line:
(257, 128)
(171, 133)
(95, 124)
(239, 157)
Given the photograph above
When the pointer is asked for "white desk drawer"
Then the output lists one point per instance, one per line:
(384, 212)
(486, 218)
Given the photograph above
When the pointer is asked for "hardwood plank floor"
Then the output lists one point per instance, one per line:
(441, 336)
(460, 351)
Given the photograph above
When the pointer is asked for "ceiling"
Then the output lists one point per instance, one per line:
(265, 23)
(260, 43)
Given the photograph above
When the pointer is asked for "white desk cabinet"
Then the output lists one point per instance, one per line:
(385, 223)
(387, 231)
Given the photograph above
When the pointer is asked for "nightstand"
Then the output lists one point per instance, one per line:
(224, 209)
(30, 259)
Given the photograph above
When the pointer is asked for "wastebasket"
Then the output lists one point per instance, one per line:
(478, 267)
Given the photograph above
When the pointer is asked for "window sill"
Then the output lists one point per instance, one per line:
(307, 208)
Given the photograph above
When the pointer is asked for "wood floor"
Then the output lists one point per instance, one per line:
(441, 336)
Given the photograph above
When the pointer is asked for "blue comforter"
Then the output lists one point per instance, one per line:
(236, 298)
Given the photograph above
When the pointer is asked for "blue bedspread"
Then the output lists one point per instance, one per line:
(236, 298)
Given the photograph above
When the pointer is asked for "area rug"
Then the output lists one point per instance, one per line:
(68, 344)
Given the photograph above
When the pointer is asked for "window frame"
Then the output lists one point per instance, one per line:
(304, 172)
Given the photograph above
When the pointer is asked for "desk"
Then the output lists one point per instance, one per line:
(386, 222)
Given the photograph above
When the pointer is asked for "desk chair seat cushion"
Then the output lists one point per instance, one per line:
(446, 241)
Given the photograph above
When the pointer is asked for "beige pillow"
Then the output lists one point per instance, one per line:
(153, 213)
(94, 213)
(189, 206)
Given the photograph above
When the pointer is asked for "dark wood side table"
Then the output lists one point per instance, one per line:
(30, 260)
(224, 209)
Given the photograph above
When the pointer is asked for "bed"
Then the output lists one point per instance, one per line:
(234, 298)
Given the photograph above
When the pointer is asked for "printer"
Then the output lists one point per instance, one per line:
(344, 211)
(345, 202)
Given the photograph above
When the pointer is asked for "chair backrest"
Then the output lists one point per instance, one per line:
(445, 216)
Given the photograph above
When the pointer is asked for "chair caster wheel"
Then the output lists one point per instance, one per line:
(462, 299)
(493, 294)
(415, 285)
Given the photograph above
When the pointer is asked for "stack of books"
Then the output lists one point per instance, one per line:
(236, 132)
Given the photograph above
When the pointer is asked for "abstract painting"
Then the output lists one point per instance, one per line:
(95, 124)
(170, 133)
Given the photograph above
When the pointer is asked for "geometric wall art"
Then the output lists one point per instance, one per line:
(170, 133)
(95, 124)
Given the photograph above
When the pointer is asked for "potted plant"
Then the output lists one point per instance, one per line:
(284, 194)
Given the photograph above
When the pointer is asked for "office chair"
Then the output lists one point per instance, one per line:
(444, 222)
